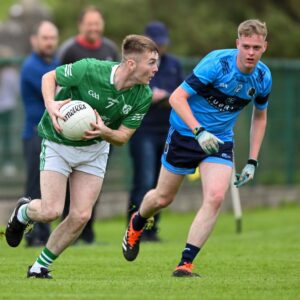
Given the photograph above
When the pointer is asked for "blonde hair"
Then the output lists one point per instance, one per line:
(137, 44)
(252, 26)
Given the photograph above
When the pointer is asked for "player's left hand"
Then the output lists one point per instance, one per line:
(97, 130)
(247, 173)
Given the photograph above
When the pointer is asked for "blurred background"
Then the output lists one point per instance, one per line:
(196, 28)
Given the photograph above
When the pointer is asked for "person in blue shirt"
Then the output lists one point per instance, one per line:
(147, 144)
(205, 108)
(44, 41)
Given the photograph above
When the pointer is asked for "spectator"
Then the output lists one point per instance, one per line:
(44, 41)
(89, 43)
(147, 144)
(9, 92)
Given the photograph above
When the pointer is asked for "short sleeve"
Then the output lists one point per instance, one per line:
(203, 74)
(71, 74)
(261, 101)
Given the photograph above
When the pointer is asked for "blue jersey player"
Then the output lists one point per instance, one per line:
(205, 108)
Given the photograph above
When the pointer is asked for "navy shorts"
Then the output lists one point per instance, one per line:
(183, 154)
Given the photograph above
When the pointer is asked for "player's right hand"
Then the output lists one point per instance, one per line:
(247, 173)
(53, 108)
(97, 128)
(208, 142)
(159, 95)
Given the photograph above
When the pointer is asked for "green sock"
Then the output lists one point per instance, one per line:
(45, 259)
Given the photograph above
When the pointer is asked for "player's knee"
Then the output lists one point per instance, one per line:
(163, 200)
(215, 199)
(84, 217)
(79, 219)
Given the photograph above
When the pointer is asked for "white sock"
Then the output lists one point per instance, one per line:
(22, 214)
(36, 267)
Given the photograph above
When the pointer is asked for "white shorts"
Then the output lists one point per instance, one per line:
(64, 159)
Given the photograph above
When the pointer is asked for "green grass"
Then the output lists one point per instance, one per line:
(261, 263)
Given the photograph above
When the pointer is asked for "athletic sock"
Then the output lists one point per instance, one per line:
(22, 214)
(188, 254)
(45, 259)
(138, 222)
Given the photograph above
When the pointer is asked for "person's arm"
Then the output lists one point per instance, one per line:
(178, 101)
(116, 137)
(207, 141)
(159, 95)
(48, 90)
(257, 131)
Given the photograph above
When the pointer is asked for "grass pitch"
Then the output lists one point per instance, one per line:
(261, 263)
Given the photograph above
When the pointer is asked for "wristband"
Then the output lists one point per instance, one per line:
(252, 162)
(198, 130)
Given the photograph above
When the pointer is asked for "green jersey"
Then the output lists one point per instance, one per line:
(91, 81)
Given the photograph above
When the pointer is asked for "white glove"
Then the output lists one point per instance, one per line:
(208, 142)
(247, 173)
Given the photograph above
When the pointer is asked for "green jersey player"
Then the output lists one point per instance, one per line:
(120, 95)
(91, 80)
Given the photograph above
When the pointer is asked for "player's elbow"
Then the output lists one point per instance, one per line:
(172, 100)
(49, 76)
(118, 143)
(177, 97)
(175, 101)
(122, 139)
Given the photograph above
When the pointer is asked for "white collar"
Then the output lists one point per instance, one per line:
(112, 74)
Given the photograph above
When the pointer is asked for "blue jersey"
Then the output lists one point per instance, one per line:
(219, 91)
(33, 68)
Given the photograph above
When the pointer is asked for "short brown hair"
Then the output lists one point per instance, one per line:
(137, 44)
(252, 26)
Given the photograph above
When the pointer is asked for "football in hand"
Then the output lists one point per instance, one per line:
(78, 116)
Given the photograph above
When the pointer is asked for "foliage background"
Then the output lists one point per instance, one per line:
(196, 26)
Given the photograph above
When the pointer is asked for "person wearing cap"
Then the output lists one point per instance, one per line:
(147, 144)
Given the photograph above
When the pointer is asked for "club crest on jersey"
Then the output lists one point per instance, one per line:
(126, 109)
(251, 92)
(238, 88)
